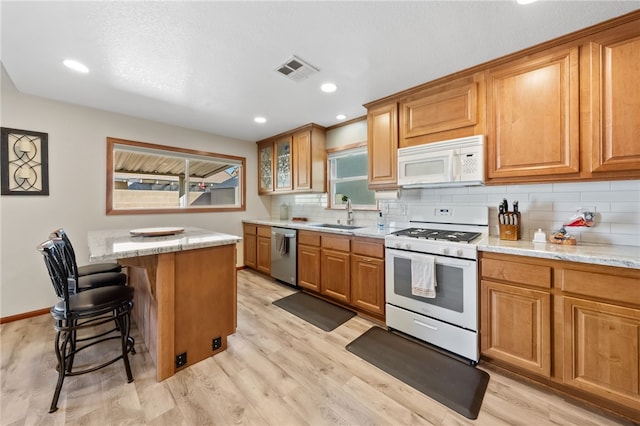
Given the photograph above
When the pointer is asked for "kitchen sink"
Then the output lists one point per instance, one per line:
(337, 226)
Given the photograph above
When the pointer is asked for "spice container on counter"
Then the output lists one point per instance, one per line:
(540, 236)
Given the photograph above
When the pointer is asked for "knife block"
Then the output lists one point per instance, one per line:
(509, 231)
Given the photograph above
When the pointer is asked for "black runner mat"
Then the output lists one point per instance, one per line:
(323, 315)
(457, 385)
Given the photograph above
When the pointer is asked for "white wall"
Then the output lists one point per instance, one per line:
(77, 187)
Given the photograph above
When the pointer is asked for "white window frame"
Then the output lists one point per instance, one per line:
(332, 179)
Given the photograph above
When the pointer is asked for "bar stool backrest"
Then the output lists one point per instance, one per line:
(69, 253)
(64, 285)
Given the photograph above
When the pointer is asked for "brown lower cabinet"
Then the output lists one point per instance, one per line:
(573, 326)
(309, 260)
(335, 267)
(257, 247)
(367, 275)
(344, 269)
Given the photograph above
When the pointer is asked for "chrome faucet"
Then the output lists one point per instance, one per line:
(349, 213)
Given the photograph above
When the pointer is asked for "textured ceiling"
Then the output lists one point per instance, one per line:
(211, 65)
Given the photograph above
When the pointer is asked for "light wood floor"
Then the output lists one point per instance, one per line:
(278, 370)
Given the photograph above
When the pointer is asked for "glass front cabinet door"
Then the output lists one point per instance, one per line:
(265, 156)
(283, 179)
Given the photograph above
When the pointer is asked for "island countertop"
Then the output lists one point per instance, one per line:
(119, 243)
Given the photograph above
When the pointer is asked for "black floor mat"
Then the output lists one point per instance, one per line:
(323, 315)
(457, 385)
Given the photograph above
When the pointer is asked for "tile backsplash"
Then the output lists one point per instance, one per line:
(544, 206)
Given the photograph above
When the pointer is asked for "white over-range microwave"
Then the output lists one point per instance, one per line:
(456, 162)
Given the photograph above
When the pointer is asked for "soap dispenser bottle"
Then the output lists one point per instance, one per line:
(380, 222)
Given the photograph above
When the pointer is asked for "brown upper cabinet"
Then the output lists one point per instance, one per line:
(533, 116)
(293, 161)
(443, 111)
(564, 110)
(611, 100)
(382, 146)
(265, 167)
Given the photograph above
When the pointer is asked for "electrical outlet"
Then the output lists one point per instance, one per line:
(216, 343)
(181, 360)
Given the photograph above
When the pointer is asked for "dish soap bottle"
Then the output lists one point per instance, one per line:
(380, 222)
(284, 212)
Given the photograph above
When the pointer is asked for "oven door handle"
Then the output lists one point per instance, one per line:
(429, 326)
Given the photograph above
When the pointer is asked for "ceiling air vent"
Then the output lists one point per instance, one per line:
(296, 69)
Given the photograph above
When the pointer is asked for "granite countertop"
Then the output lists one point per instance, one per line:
(597, 254)
(365, 231)
(119, 243)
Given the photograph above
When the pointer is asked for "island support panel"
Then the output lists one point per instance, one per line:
(183, 300)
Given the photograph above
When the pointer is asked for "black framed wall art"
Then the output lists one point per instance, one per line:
(23, 157)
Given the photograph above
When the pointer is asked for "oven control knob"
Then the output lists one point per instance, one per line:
(407, 246)
(398, 245)
(445, 250)
(459, 252)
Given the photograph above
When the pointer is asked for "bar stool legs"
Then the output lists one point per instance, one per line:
(68, 345)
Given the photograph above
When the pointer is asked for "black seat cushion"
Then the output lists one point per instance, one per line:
(95, 301)
(98, 268)
(101, 280)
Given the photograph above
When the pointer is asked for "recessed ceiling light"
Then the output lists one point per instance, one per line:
(328, 87)
(341, 116)
(260, 120)
(525, 1)
(75, 65)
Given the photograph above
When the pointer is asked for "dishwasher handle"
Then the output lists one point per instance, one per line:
(286, 235)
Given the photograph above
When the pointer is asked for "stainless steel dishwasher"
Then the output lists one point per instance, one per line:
(283, 255)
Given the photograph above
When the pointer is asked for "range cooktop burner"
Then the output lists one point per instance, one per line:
(438, 234)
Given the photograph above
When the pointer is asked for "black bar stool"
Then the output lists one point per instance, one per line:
(101, 314)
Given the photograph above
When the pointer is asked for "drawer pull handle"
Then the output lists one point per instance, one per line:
(432, 327)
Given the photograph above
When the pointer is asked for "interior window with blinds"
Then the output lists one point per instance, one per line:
(348, 178)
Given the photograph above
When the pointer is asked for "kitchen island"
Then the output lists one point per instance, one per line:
(185, 290)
